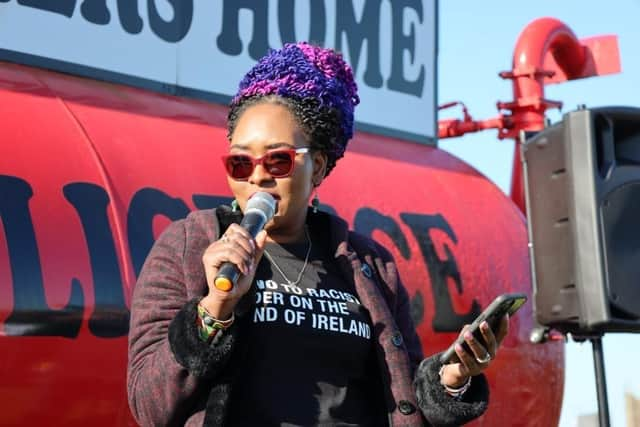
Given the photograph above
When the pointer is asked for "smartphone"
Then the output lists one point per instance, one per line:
(503, 304)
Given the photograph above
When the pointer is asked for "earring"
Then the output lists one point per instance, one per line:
(315, 203)
(234, 205)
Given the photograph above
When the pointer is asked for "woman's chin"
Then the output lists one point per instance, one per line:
(275, 223)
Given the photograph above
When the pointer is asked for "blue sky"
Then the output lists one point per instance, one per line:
(476, 41)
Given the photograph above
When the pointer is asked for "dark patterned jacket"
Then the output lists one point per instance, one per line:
(173, 378)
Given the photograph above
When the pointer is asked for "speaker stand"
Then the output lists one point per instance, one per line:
(601, 380)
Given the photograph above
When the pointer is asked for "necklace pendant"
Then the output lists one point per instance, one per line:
(304, 266)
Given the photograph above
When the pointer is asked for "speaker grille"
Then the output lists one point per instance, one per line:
(620, 213)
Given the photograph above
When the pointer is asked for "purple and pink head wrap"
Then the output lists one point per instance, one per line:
(302, 71)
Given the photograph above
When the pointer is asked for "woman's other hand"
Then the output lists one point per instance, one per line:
(455, 375)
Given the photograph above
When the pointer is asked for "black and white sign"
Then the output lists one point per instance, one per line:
(202, 48)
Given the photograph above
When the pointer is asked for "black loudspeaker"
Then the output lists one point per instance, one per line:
(582, 187)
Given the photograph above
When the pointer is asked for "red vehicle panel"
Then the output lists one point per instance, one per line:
(91, 172)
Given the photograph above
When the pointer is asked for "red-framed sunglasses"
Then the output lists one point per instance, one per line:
(278, 163)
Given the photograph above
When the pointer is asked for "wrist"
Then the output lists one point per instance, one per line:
(449, 379)
(457, 388)
(209, 325)
(219, 309)
(457, 383)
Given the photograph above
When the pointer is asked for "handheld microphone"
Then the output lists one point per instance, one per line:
(260, 209)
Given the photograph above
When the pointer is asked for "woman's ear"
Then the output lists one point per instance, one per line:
(319, 167)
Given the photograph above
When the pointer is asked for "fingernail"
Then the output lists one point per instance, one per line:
(467, 335)
(484, 325)
(458, 347)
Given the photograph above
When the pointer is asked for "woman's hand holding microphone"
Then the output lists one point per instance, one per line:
(237, 247)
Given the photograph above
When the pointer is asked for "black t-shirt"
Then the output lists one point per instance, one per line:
(310, 358)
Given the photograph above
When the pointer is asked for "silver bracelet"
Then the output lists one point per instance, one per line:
(451, 391)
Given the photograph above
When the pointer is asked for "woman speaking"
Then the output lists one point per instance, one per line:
(316, 329)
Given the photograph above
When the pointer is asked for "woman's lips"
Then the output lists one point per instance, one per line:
(275, 196)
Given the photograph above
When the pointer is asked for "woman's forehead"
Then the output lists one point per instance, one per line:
(257, 146)
(266, 126)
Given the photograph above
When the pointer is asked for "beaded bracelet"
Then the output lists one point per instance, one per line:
(456, 393)
(208, 326)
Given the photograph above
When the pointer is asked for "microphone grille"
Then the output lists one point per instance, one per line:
(264, 202)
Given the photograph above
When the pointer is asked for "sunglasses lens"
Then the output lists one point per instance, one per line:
(239, 166)
(278, 163)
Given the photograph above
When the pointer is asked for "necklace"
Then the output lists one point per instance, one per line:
(304, 266)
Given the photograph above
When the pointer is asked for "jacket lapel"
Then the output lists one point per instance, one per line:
(393, 360)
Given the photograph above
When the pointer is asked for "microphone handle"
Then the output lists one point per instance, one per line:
(228, 274)
(226, 277)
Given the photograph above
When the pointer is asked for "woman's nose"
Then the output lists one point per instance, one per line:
(260, 175)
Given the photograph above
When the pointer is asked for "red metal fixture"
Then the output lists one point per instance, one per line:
(547, 52)
(448, 128)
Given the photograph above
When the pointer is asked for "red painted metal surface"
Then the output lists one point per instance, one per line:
(547, 51)
(60, 131)
(451, 128)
